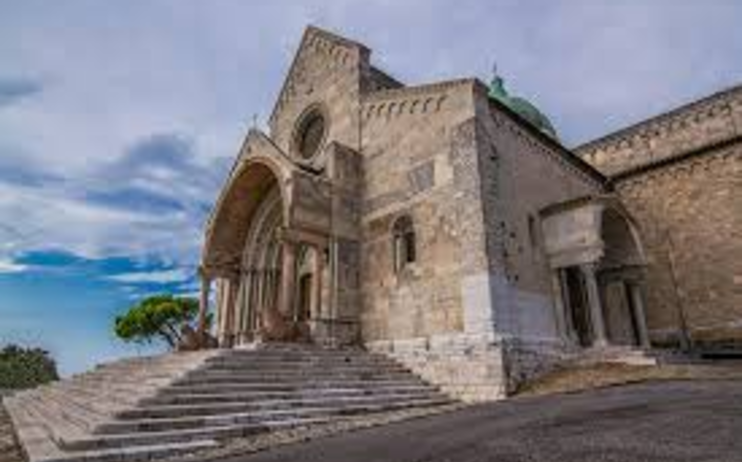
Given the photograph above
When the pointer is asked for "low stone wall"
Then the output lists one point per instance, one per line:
(467, 367)
(526, 360)
(334, 332)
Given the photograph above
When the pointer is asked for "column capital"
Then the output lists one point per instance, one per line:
(204, 272)
(286, 236)
(304, 236)
(590, 267)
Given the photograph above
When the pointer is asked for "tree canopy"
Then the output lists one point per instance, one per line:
(159, 317)
(25, 367)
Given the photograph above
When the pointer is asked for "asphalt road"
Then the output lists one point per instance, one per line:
(671, 421)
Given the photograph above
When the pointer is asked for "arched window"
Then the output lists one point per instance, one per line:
(404, 242)
(533, 235)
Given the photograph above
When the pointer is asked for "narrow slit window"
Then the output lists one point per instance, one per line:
(405, 251)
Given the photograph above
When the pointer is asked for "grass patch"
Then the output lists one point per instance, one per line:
(581, 378)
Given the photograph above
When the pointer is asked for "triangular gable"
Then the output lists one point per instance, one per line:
(313, 36)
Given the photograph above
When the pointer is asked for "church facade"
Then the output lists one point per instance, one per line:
(445, 225)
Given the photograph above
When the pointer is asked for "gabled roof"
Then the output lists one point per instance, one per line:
(668, 116)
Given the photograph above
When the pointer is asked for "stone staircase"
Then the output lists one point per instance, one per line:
(144, 408)
(615, 354)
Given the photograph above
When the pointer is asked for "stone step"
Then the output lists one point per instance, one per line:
(338, 356)
(293, 377)
(142, 408)
(258, 416)
(84, 416)
(128, 377)
(283, 365)
(138, 453)
(267, 356)
(227, 387)
(249, 396)
(178, 358)
(133, 440)
(183, 410)
(54, 423)
(119, 396)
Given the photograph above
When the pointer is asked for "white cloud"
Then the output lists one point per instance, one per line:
(196, 71)
(158, 277)
(9, 266)
(54, 219)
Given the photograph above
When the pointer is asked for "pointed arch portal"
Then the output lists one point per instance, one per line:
(262, 248)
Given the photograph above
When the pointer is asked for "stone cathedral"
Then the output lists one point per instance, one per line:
(445, 225)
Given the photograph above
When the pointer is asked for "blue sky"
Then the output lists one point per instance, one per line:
(119, 119)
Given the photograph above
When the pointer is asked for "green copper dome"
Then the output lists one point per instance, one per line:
(521, 106)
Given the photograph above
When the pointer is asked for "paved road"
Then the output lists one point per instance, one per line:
(674, 421)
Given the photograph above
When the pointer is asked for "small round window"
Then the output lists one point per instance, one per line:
(310, 134)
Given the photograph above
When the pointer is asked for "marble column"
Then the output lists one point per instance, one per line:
(245, 307)
(596, 308)
(203, 307)
(230, 310)
(288, 279)
(637, 303)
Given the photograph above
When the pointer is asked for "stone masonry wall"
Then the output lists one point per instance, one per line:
(467, 367)
(679, 176)
(420, 149)
(327, 73)
(522, 174)
(411, 167)
(690, 219)
(706, 122)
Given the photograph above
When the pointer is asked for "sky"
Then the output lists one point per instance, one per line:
(119, 120)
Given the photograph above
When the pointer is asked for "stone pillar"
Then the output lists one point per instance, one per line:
(253, 304)
(288, 279)
(567, 304)
(560, 317)
(277, 312)
(637, 303)
(245, 305)
(230, 310)
(596, 309)
(316, 306)
(203, 307)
